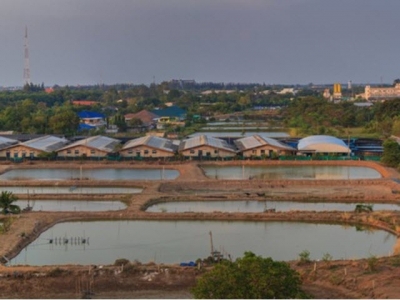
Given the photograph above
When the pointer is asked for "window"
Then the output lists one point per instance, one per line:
(68, 151)
(130, 151)
(262, 151)
(76, 152)
(216, 151)
(146, 151)
(92, 151)
(192, 152)
(154, 151)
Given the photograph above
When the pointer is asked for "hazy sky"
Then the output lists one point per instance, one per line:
(130, 41)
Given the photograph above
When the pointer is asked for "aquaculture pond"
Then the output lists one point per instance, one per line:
(71, 205)
(73, 190)
(290, 172)
(102, 242)
(93, 174)
(259, 206)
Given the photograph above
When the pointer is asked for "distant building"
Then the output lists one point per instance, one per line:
(327, 94)
(34, 147)
(206, 147)
(256, 145)
(149, 146)
(337, 91)
(382, 93)
(147, 118)
(94, 147)
(323, 144)
(91, 119)
(84, 102)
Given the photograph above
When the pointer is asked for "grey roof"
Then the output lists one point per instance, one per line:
(322, 143)
(6, 142)
(203, 140)
(46, 143)
(256, 141)
(239, 134)
(98, 142)
(153, 142)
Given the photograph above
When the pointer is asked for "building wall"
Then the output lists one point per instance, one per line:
(145, 151)
(80, 150)
(207, 151)
(265, 150)
(20, 151)
(382, 92)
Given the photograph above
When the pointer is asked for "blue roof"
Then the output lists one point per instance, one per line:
(90, 114)
(172, 111)
(83, 126)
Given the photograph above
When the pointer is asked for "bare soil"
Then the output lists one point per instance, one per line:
(335, 279)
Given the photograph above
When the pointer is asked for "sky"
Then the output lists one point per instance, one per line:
(80, 42)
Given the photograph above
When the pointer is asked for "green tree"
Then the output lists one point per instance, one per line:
(64, 121)
(249, 277)
(391, 153)
(6, 203)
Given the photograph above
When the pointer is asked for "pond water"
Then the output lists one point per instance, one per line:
(290, 172)
(95, 174)
(259, 206)
(71, 205)
(73, 190)
(178, 241)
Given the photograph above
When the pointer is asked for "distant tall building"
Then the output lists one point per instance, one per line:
(27, 71)
(337, 91)
(382, 93)
(349, 85)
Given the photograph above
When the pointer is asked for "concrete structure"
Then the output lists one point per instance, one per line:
(262, 146)
(382, 93)
(95, 147)
(204, 146)
(34, 148)
(323, 144)
(149, 146)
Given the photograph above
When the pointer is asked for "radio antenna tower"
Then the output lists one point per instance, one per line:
(27, 72)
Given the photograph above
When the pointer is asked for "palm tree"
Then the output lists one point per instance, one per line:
(6, 200)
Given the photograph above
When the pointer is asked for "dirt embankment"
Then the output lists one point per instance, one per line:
(347, 279)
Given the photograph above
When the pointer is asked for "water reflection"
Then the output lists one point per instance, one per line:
(70, 190)
(95, 174)
(176, 241)
(259, 206)
(290, 172)
(70, 205)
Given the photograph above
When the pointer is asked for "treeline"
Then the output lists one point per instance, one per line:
(34, 111)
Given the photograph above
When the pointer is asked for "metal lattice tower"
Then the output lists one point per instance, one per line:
(27, 72)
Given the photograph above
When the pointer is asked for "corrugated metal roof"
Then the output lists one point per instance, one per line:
(203, 140)
(99, 142)
(153, 142)
(256, 141)
(322, 143)
(5, 142)
(46, 143)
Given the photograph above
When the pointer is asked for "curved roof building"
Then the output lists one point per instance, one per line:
(322, 144)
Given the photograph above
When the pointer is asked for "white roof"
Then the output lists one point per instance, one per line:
(203, 140)
(46, 143)
(256, 141)
(153, 142)
(99, 142)
(323, 144)
(5, 142)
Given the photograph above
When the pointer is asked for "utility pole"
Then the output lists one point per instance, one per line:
(27, 72)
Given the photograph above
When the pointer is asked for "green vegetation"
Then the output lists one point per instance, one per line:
(6, 203)
(363, 208)
(304, 257)
(249, 277)
(391, 153)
